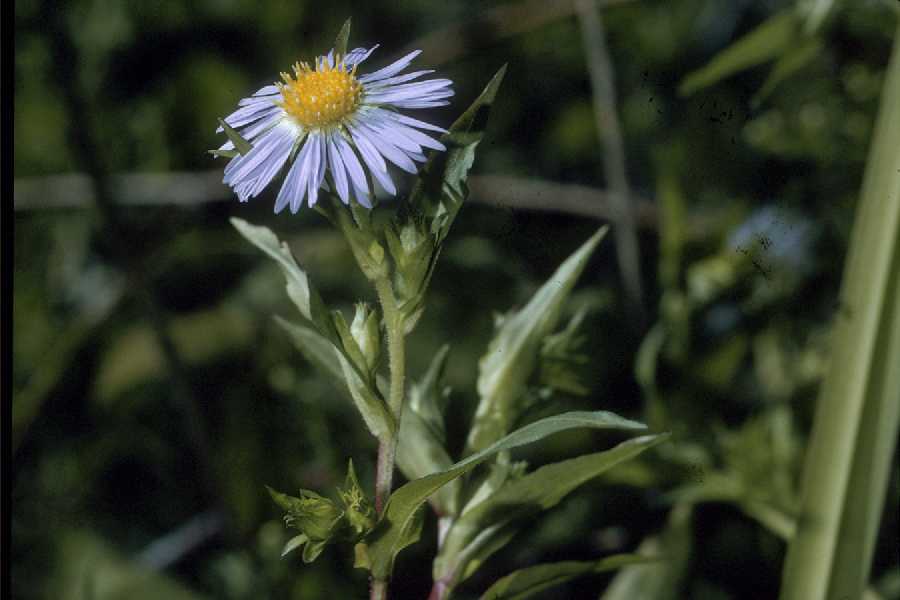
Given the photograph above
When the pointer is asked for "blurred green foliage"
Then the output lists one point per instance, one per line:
(753, 205)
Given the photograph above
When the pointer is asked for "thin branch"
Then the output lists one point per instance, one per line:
(76, 190)
(547, 196)
(605, 113)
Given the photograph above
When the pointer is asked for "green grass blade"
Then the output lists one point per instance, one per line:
(852, 427)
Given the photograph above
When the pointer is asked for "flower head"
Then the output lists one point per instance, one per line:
(326, 120)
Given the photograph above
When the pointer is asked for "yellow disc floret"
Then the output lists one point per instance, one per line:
(321, 97)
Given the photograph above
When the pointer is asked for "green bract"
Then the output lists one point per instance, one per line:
(320, 520)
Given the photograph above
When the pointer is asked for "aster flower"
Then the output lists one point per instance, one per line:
(325, 119)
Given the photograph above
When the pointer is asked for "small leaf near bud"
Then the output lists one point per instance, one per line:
(357, 508)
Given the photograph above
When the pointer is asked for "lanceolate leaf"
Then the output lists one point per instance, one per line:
(761, 45)
(789, 63)
(343, 36)
(299, 289)
(512, 355)
(441, 187)
(328, 359)
(421, 449)
(322, 331)
(427, 397)
(527, 582)
(419, 453)
(384, 543)
(294, 543)
(523, 498)
(317, 350)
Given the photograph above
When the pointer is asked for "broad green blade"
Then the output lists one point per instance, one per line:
(386, 540)
(856, 420)
(527, 582)
(519, 501)
(506, 367)
(765, 43)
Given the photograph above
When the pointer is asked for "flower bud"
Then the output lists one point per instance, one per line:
(311, 514)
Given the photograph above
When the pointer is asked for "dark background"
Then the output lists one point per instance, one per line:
(154, 396)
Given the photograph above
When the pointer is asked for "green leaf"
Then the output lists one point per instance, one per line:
(240, 144)
(768, 41)
(421, 451)
(561, 360)
(815, 13)
(384, 543)
(413, 250)
(328, 359)
(428, 398)
(513, 353)
(501, 470)
(519, 500)
(788, 64)
(354, 372)
(312, 550)
(412, 530)
(371, 405)
(527, 582)
(441, 188)
(304, 296)
(350, 345)
(366, 331)
(316, 349)
(294, 543)
(343, 36)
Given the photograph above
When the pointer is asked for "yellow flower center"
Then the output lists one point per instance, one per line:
(318, 98)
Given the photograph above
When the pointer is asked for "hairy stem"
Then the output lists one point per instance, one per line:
(387, 448)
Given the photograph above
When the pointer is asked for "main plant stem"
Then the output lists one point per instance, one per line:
(387, 447)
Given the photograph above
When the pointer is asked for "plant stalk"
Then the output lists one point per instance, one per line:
(856, 418)
(387, 448)
(379, 590)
